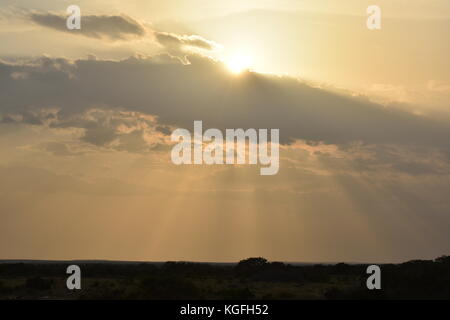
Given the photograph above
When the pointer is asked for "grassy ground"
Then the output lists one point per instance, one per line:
(250, 279)
(205, 288)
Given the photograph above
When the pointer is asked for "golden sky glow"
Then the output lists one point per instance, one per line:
(364, 119)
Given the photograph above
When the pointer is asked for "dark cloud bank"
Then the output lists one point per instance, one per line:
(180, 93)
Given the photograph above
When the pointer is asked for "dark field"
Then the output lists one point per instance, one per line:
(253, 278)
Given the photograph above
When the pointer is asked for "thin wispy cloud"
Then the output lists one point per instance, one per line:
(109, 27)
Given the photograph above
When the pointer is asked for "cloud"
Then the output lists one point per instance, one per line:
(117, 130)
(60, 149)
(122, 27)
(109, 27)
(177, 94)
(99, 135)
(176, 42)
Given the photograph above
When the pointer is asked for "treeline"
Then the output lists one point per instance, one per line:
(249, 279)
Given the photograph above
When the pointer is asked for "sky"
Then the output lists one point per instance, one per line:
(86, 118)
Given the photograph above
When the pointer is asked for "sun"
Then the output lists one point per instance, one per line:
(239, 62)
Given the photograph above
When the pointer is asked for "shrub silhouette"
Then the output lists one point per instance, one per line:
(170, 288)
(39, 284)
(250, 266)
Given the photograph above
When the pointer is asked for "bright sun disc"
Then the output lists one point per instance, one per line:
(239, 63)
